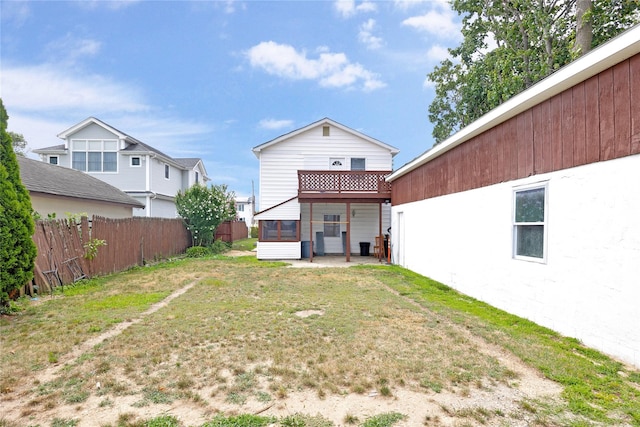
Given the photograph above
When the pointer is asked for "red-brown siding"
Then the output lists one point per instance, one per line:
(596, 120)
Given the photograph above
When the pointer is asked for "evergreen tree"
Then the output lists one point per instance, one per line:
(17, 249)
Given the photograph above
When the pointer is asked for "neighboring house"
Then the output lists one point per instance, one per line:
(535, 207)
(322, 187)
(59, 191)
(141, 171)
(245, 210)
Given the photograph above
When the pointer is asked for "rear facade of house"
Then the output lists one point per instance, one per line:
(322, 192)
(535, 208)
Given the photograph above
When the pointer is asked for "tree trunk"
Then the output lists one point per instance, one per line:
(584, 27)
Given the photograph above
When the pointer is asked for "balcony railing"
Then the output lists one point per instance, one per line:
(343, 184)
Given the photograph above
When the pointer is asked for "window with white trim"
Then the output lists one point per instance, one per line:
(135, 161)
(166, 171)
(53, 160)
(529, 222)
(357, 164)
(94, 155)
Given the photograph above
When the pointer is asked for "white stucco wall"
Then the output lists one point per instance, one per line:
(589, 287)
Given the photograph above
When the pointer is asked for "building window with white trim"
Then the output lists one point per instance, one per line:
(358, 164)
(166, 171)
(94, 155)
(53, 160)
(135, 161)
(529, 222)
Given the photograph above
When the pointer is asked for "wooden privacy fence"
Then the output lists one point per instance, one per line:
(230, 231)
(129, 242)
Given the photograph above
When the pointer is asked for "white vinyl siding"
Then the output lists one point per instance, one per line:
(279, 164)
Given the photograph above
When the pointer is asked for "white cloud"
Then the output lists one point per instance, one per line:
(44, 100)
(272, 124)
(438, 53)
(348, 8)
(50, 87)
(365, 35)
(440, 23)
(409, 4)
(69, 49)
(329, 69)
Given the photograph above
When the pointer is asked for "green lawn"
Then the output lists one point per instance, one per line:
(237, 338)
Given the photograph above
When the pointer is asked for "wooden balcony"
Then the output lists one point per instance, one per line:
(343, 186)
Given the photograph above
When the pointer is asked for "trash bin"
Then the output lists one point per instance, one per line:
(305, 249)
(364, 248)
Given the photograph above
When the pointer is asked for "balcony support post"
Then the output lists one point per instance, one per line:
(311, 232)
(381, 248)
(347, 249)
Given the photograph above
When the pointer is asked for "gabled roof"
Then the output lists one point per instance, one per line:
(326, 121)
(605, 56)
(41, 177)
(191, 163)
(133, 145)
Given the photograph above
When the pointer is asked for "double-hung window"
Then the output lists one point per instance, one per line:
(94, 155)
(529, 222)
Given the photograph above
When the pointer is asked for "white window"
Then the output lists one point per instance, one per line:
(336, 163)
(135, 161)
(94, 155)
(357, 164)
(166, 171)
(240, 207)
(53, 160)
(197, 177)
(529, 222)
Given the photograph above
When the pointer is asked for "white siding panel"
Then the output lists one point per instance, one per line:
(589, 287)
(289, 210)
(279, 250)
(279, 163)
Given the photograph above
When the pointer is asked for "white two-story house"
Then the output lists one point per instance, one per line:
(323, 192)
(139, 170)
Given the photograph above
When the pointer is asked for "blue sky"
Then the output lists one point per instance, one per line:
(212, 79)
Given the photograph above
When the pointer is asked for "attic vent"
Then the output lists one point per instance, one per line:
(325, 130)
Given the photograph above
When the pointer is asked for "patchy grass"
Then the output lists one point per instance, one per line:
(595, 386)
(244, 245)
(235, 336)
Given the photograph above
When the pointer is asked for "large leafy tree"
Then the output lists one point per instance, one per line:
(17, 249)
(509, 45)
(203, 209)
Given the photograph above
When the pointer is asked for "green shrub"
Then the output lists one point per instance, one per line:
(254, 232)
(219, 247)
(198, 252)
